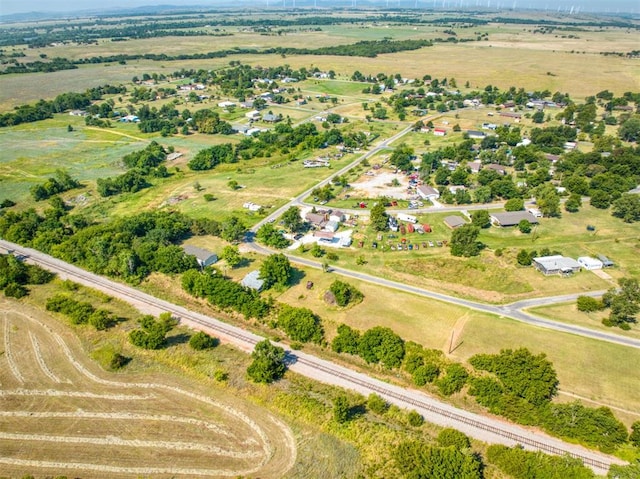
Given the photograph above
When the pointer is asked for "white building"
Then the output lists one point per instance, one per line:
(590, 263)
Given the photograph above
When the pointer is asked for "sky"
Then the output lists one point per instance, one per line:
(22, 6)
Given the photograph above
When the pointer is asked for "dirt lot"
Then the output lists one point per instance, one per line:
(59, 414)
(378, 183)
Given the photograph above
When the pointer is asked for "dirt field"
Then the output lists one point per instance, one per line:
(378, 183)
(60, 415)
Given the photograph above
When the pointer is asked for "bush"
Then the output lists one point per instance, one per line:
(454, 380)
(300, 324)
(15, 290)
(424, 374)
(415, 419)
(453, 438)
(588, 304)
(268, 363)
(524, 226)
(345, 293)
(376, 404)
(152, 334)
(201, 341)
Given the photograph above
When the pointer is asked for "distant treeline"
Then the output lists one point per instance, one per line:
(368, 49)
(65, 101)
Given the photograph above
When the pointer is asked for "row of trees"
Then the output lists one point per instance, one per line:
(59, 183)
(80, 312)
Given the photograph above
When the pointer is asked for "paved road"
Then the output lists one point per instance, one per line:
(484, 428)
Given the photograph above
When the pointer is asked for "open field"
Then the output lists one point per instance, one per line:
(57, 407)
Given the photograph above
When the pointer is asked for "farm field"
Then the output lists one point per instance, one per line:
(57, 406)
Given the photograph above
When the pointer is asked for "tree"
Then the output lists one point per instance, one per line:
(538, 117)
(345, 293)
(464, 241)
(548, 200)
(481, 218)
(588, 304)
(417, 460)
(317, 251)
(201, 341)
(231, 255)
(292, 220)
(270, 236)
(523, 258)
(376, 404)
(268, 363)
(627, 207)
(300, 324)
(341, 409)
(232, 229)
(600, 199)
(276, 271)
(573, 203)
(380, 344)
(152, 333)
(454, 380)
(347, 340)
(415, 419)
(630, 130)
(524, 226)
(401, 157)
(378, 218)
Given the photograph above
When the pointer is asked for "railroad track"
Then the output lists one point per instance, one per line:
(247, 340)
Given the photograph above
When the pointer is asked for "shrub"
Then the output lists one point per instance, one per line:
(415, 419)
(201, 341)
(376, 404)
(454, 380)
(453, 438)
(588, 304)
(345, 293)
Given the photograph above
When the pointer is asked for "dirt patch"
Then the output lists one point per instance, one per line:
(376, 183)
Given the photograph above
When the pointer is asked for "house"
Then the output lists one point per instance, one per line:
(247, 104)
(427, 192)
(317, 220)
(475, 134)
(512, 218)
(606, 262)
(455, 188)
(510, 114)
(270, 118)
(475, 166)
(78, 113)
(324, 236)
(204, 257)
(454, 222)
(556, 264)
(226, 104)
(130, 119)
(240, 128)
(439, 131)
(497, 168)
(587, 262)
(253, 281)
(253, 115)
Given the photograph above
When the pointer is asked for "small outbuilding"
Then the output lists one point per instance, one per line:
(427, 192)
(253, 281)
(606, 262)
(204, 257)
(590, 263)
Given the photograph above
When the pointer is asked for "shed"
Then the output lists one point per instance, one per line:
(590, 263)
(253, 281)
(331, 226)
(512, 218)
(556, 264)
(454, 222)
(204, 257)
(426, 228)
(606, 262)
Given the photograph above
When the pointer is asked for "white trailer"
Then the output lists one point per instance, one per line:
(407, 218)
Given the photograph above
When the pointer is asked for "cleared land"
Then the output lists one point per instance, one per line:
(59, 414)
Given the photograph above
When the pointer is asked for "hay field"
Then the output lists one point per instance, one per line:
(59, 413)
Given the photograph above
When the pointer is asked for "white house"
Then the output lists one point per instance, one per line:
(590, 263)
(204, 257)
(226, 104)
(253, 115)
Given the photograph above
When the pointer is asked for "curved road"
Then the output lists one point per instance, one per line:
(484, 428)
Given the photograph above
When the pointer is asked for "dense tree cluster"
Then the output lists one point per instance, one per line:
(80, 312)
(59, 183)
(417, 460)
(464, 241)
(624, 303)
(65, 101)
(376, 345)
(522, 464)
(14, 275)
(276, 271)
(152, 333)
(211, 157)
(224, 293)
(269, 235)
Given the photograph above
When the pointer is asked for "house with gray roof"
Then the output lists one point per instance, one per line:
(556, 264)
(512, 218)
(204, 257)
(454, 222)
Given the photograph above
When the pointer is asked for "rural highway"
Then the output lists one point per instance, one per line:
(512, 311)
(484, 428)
